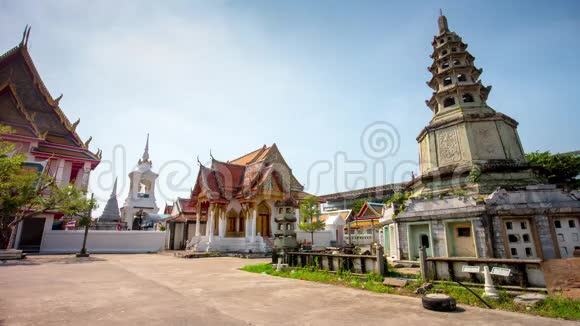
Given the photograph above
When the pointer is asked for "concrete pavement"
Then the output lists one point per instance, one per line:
(163, 290)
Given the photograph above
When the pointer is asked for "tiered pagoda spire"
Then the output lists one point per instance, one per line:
(467, 145)
(111, 211)
(455, 78)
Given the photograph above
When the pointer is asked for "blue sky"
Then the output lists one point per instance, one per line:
(231, 76)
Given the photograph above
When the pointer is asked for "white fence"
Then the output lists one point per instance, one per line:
(321, 238)
(103, 241)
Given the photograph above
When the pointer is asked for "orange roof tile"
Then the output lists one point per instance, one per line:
(252, 157)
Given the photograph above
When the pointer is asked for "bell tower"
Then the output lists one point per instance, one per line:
(467, 145)
(141, 195)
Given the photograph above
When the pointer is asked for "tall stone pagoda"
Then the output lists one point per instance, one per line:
(467, 145)
(477, 197)
(141, 198)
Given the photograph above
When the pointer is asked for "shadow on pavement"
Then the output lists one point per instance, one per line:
(40, 260)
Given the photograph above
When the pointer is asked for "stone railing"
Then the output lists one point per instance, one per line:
(524, 272)
(358, 264)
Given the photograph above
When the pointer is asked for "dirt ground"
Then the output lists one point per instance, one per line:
(164, 290)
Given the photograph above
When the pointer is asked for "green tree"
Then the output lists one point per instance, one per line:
(24, 193)
(399, 199)
(560, 169)
(310, 216)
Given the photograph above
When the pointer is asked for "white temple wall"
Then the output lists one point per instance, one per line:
(103, 241)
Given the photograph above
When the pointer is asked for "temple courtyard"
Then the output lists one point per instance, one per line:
(160, 289)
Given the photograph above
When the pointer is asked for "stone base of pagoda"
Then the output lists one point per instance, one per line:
(484, 177)
(228, 244)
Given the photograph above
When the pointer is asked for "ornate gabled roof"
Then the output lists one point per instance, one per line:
(245, 177)
(18, 73)
(370, 210)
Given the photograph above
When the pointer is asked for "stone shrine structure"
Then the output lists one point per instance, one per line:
(141, 197)
(110, 218)
(476, 195)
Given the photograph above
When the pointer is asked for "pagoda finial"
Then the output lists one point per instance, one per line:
(443, 27)
(146, 152)
(210, 156)
(114, 192)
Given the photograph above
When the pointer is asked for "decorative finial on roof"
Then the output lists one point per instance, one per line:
(75, 124)
(146, 152)
(23, 41)
(27, 36)
(210, 156)
(57, 100)
(443, 27)
(198, 161)
(88, 141)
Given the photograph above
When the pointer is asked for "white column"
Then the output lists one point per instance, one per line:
(247, 222)
(273, 224)
(197, 224)
(222, 226)
(297, 214)
(211, 224)
(59, 175)
(254, 219)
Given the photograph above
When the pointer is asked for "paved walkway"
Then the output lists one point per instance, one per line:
(163, 290)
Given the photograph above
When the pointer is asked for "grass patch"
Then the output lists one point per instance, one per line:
(554, 306)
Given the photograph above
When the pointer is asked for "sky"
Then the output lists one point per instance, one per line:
(339, 86)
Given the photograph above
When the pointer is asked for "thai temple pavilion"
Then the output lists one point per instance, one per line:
(476, 195)
(42, 132)
(239, 201)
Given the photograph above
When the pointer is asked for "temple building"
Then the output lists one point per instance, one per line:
(240, 200)
(42, 132)
(181, 223)
(476, 195)
(140, 202)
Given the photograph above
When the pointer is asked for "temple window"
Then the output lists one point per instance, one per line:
(445, 65)
(447, 81)
(448, 102)
(453, 49)
(444, 53)
(456, 62)
(461, 78)
(441, 41)
(467, 98)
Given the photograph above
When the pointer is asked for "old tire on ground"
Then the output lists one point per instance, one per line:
(439, 302)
